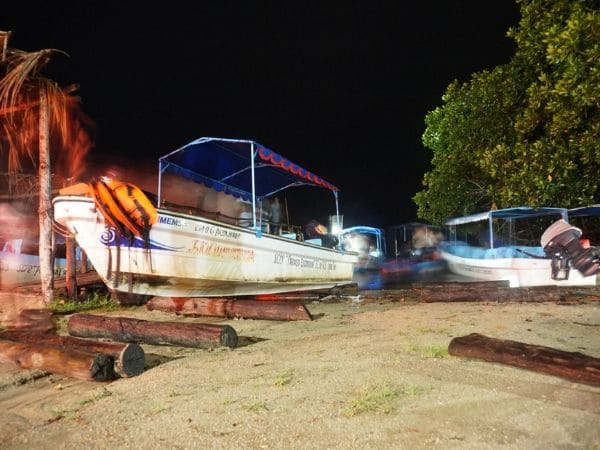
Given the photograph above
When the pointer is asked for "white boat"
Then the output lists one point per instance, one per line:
(505, 251)
(369, 243)
(186, 255)
(18, 268)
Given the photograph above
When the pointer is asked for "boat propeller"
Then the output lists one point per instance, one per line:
(561, 242)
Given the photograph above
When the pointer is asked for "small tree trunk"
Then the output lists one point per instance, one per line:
(71, 268)
(45, 203)
(124, 329)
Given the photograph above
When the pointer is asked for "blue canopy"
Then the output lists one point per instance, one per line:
(508, 213)
(238, 167)
(592, 210)
(362, 229)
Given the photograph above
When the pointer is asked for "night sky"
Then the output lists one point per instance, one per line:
(340, 88)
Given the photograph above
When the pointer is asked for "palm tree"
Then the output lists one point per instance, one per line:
(35, 113)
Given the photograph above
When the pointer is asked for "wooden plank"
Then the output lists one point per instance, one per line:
(572, 366)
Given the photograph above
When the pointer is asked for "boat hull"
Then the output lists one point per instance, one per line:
(519, 272)
(189, 256)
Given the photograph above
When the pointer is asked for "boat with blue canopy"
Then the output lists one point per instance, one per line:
(505, 245)
(185, 253)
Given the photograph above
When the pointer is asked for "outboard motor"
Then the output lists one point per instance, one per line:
(560, 242)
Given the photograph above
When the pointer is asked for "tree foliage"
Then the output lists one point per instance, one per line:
(527, 132)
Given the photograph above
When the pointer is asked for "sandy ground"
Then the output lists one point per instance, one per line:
(366, 373)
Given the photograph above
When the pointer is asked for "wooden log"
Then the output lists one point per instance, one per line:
(248, 309)
(572, 366)
(286, 297)
(460, 285)
(130, 359)
(69, 362)
(473, 292)
(125, 329)
(496, 294)
(24, 311)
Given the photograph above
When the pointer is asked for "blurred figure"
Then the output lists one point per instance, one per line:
(275, 216)
(424, 238)
(316, 230)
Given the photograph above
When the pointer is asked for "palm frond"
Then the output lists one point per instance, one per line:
(20, 91)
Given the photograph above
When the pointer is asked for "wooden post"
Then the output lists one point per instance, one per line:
(71, 280)
(572, 366)
(69, 362)
(248, 309)
(84, 262)
(46, 252)
(124, 329)
(129, 358)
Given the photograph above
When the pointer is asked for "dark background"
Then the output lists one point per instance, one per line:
(340, 88)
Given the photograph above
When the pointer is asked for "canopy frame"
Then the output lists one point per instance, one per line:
(243, 180)
(509, 214)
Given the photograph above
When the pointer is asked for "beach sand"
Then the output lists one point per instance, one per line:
(367, 372)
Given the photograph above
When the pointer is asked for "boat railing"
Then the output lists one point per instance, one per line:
(509, 251)
(245, 221)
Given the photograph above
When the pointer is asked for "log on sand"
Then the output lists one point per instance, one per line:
(129, 358)
(486, 293)
(125, 329)
(499, 291)
(24, 311)
(219, 307)
(69, 362)
(572, 366)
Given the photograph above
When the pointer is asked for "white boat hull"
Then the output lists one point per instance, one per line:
(520, 272)
(189, 256)
(19, 268)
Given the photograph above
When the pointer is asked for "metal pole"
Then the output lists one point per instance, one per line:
(337, 218)
(253, 186)
(159, 182)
